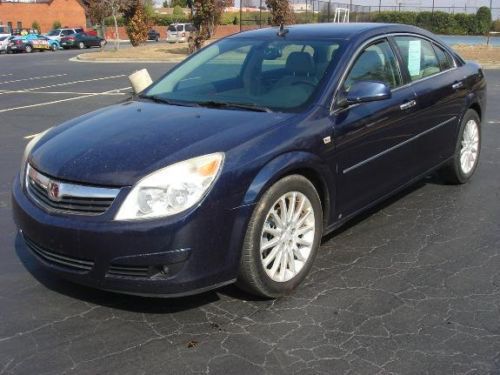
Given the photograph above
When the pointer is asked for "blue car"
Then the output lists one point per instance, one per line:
(32, 42)
(233, 165)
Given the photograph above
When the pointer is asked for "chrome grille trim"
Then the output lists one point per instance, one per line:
(64, 197)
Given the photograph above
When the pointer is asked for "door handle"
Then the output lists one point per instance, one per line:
(408, 105)
(457, 85)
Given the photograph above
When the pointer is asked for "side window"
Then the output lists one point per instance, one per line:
(67, 32)
(418, 56)
(445, 60)
(376, 63)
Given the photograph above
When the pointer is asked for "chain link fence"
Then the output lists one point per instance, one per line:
(254, 13)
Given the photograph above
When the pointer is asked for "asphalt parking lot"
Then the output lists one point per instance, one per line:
(411, 287)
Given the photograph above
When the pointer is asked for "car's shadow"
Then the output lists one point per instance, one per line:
(171, 305)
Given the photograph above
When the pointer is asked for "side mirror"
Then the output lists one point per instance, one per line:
(366, 91)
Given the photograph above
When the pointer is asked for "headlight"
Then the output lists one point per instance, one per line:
(27, 152)
(171, 190)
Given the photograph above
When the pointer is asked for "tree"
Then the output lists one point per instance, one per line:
(137, 25)
(100, 9)
(206, 17)
(181, 3)
(36, 26)
(483, 17)
(56, 24)
(281, 12)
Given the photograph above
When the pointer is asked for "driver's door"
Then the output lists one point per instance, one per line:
(373, 140)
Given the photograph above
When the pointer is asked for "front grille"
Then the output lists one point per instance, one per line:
(129, 271)
(66, 197)
(58, 259)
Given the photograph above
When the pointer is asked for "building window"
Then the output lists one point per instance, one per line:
(19, 25)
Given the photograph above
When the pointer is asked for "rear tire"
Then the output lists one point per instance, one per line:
(467, 151)
(28, 49)
(81, 45)
(282, 238)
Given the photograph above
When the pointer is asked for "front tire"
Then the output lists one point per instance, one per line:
(282, 238)
(81, 45)
(467, 151)
(28, 49)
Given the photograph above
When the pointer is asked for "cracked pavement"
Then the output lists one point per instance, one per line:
(410, 287)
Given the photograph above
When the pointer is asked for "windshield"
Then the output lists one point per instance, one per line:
(54, 33)
(281, 75)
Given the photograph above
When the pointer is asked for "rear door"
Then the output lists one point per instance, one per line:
(373, 154)
(440, 96)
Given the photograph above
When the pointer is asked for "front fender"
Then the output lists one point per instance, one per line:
(300, 162)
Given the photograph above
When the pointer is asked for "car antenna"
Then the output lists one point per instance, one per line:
(282, 31)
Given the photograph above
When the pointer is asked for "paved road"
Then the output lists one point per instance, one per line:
(411, 287)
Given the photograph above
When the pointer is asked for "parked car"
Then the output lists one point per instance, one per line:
(30, 43)
(5, 31)
(153, 35)
(234, 165)
(4, 42)
(82, 40)
(179, 32)
(58, 34)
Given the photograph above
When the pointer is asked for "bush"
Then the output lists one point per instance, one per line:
(178, 11)
(441, 22)
(167, 19)
(496, 25)
(36, 26)
(56, 25)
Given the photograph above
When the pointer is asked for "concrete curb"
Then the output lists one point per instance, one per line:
(107, 60)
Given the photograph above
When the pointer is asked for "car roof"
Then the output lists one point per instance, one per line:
(333, 31)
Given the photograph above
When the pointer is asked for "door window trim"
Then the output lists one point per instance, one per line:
(388, 37)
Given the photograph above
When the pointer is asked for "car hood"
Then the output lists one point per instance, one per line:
(118, 145)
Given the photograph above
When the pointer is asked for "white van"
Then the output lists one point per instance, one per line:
(179, 32)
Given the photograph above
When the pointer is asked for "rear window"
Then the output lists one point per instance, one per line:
(171, 28)
(78, 30)
(3, 38)
(54, 32)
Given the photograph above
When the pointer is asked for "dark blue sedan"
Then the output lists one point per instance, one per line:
(233, 166)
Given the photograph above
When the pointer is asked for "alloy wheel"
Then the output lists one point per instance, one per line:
(470, 147)
(287, 236)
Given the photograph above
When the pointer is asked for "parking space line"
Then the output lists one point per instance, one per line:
(6, 75)
(70, 83)
(33, 78)
(60, 101)
(58, 92)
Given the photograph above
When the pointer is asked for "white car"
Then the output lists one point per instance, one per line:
(57, 34)
(4, 31)
(4, 41)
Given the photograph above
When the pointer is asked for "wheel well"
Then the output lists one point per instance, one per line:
(320, 186)
(477, 108)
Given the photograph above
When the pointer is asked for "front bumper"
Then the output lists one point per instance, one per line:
(180, 255)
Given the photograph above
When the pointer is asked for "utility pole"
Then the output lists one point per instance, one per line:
(379, 6)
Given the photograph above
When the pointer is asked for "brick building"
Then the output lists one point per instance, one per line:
(20, 14)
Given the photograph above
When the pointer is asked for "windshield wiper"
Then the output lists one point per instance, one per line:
(160, 99)
(247, 107)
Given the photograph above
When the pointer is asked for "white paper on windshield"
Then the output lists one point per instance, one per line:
(414, 53)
